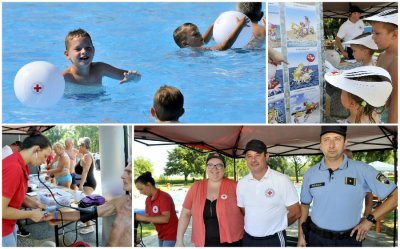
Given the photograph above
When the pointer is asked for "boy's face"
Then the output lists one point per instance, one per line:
(360, 53)
(193, 37)
(382, 37)
(80, 51)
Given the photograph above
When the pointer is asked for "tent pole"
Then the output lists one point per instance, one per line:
(234, 169)
(395, 181)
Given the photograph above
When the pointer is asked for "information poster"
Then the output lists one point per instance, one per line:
(294, 30)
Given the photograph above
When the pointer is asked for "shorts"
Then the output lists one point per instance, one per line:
(11, 239)
(67, 178)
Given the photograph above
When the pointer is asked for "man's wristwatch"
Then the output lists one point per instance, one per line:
(371, 218)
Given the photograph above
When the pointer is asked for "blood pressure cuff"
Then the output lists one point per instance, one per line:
(88, 213)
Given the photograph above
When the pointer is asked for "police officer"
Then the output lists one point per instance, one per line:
(337, 187)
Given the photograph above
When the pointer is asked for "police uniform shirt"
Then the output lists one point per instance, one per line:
(337, 197)
(266, 202)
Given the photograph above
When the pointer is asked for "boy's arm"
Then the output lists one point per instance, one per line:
(393, 71)
(233, 35)
(118, 74)
(208, 34)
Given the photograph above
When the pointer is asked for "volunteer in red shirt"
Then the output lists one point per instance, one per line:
(160, 210)
(34, 151)
(211, 203)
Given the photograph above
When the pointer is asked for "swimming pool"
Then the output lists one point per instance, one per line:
(219, 87)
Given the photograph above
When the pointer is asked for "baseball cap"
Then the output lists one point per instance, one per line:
(341, 130)
(255, 145)
(355, 9)
(374, 93)
(215, 155)
(365, 40)
(388, 16)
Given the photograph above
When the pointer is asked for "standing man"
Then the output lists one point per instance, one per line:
(351, 28)
(268, 199)
(72, 153)
(337, 187)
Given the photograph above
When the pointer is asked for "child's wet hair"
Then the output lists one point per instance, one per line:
(251, 9)
(180, 35)
(168, 103)
(76, 33)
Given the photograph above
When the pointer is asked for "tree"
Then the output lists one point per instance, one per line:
(142, 165)
(241, 167)
(60, 133)
(185, 161)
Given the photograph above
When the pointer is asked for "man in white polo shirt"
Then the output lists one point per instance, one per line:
(268, 199)
(350, 29)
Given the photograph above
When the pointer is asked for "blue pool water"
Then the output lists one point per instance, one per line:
(219, 87)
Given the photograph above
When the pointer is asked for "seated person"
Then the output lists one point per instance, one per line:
(121, 207)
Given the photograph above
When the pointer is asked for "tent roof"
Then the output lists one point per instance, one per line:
(24, 129)
(341, 9)
(281, 140)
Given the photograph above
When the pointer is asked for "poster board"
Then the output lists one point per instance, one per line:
(295, 89)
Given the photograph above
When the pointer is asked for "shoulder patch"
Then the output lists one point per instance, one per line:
(382, 178)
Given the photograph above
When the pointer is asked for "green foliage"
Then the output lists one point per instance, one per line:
(331, 26)
(386, 156)
(185, 161)
(241, 167)
(60, 133)
(142, 165)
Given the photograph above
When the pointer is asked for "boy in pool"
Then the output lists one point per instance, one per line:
(385, 35)
(253, 10)
(188, 35)
(79, 50)
(167, 104)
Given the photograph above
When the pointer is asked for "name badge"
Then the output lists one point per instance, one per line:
(316, 185)
(350, 181)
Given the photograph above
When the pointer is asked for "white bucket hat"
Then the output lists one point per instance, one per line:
(388, 16)
(366, 41)
(374, 93)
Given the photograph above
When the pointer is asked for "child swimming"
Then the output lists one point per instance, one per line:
(80, 51)
(188, 35)
(364, 89)
(167, 105)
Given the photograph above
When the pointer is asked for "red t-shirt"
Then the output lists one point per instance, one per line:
(15, 186)
(162, 203)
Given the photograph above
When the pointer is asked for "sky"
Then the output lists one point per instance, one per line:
(157, 155)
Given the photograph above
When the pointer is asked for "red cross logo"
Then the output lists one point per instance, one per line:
(269, 192)
(37, 87)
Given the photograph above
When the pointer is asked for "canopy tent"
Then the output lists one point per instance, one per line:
(341, 9)
(24, 129)
(382, 166)
(281, 140)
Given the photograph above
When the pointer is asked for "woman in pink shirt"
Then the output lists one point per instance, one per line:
(217, 220)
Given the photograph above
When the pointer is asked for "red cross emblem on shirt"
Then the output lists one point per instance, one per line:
(269, 192)
(37, 87)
